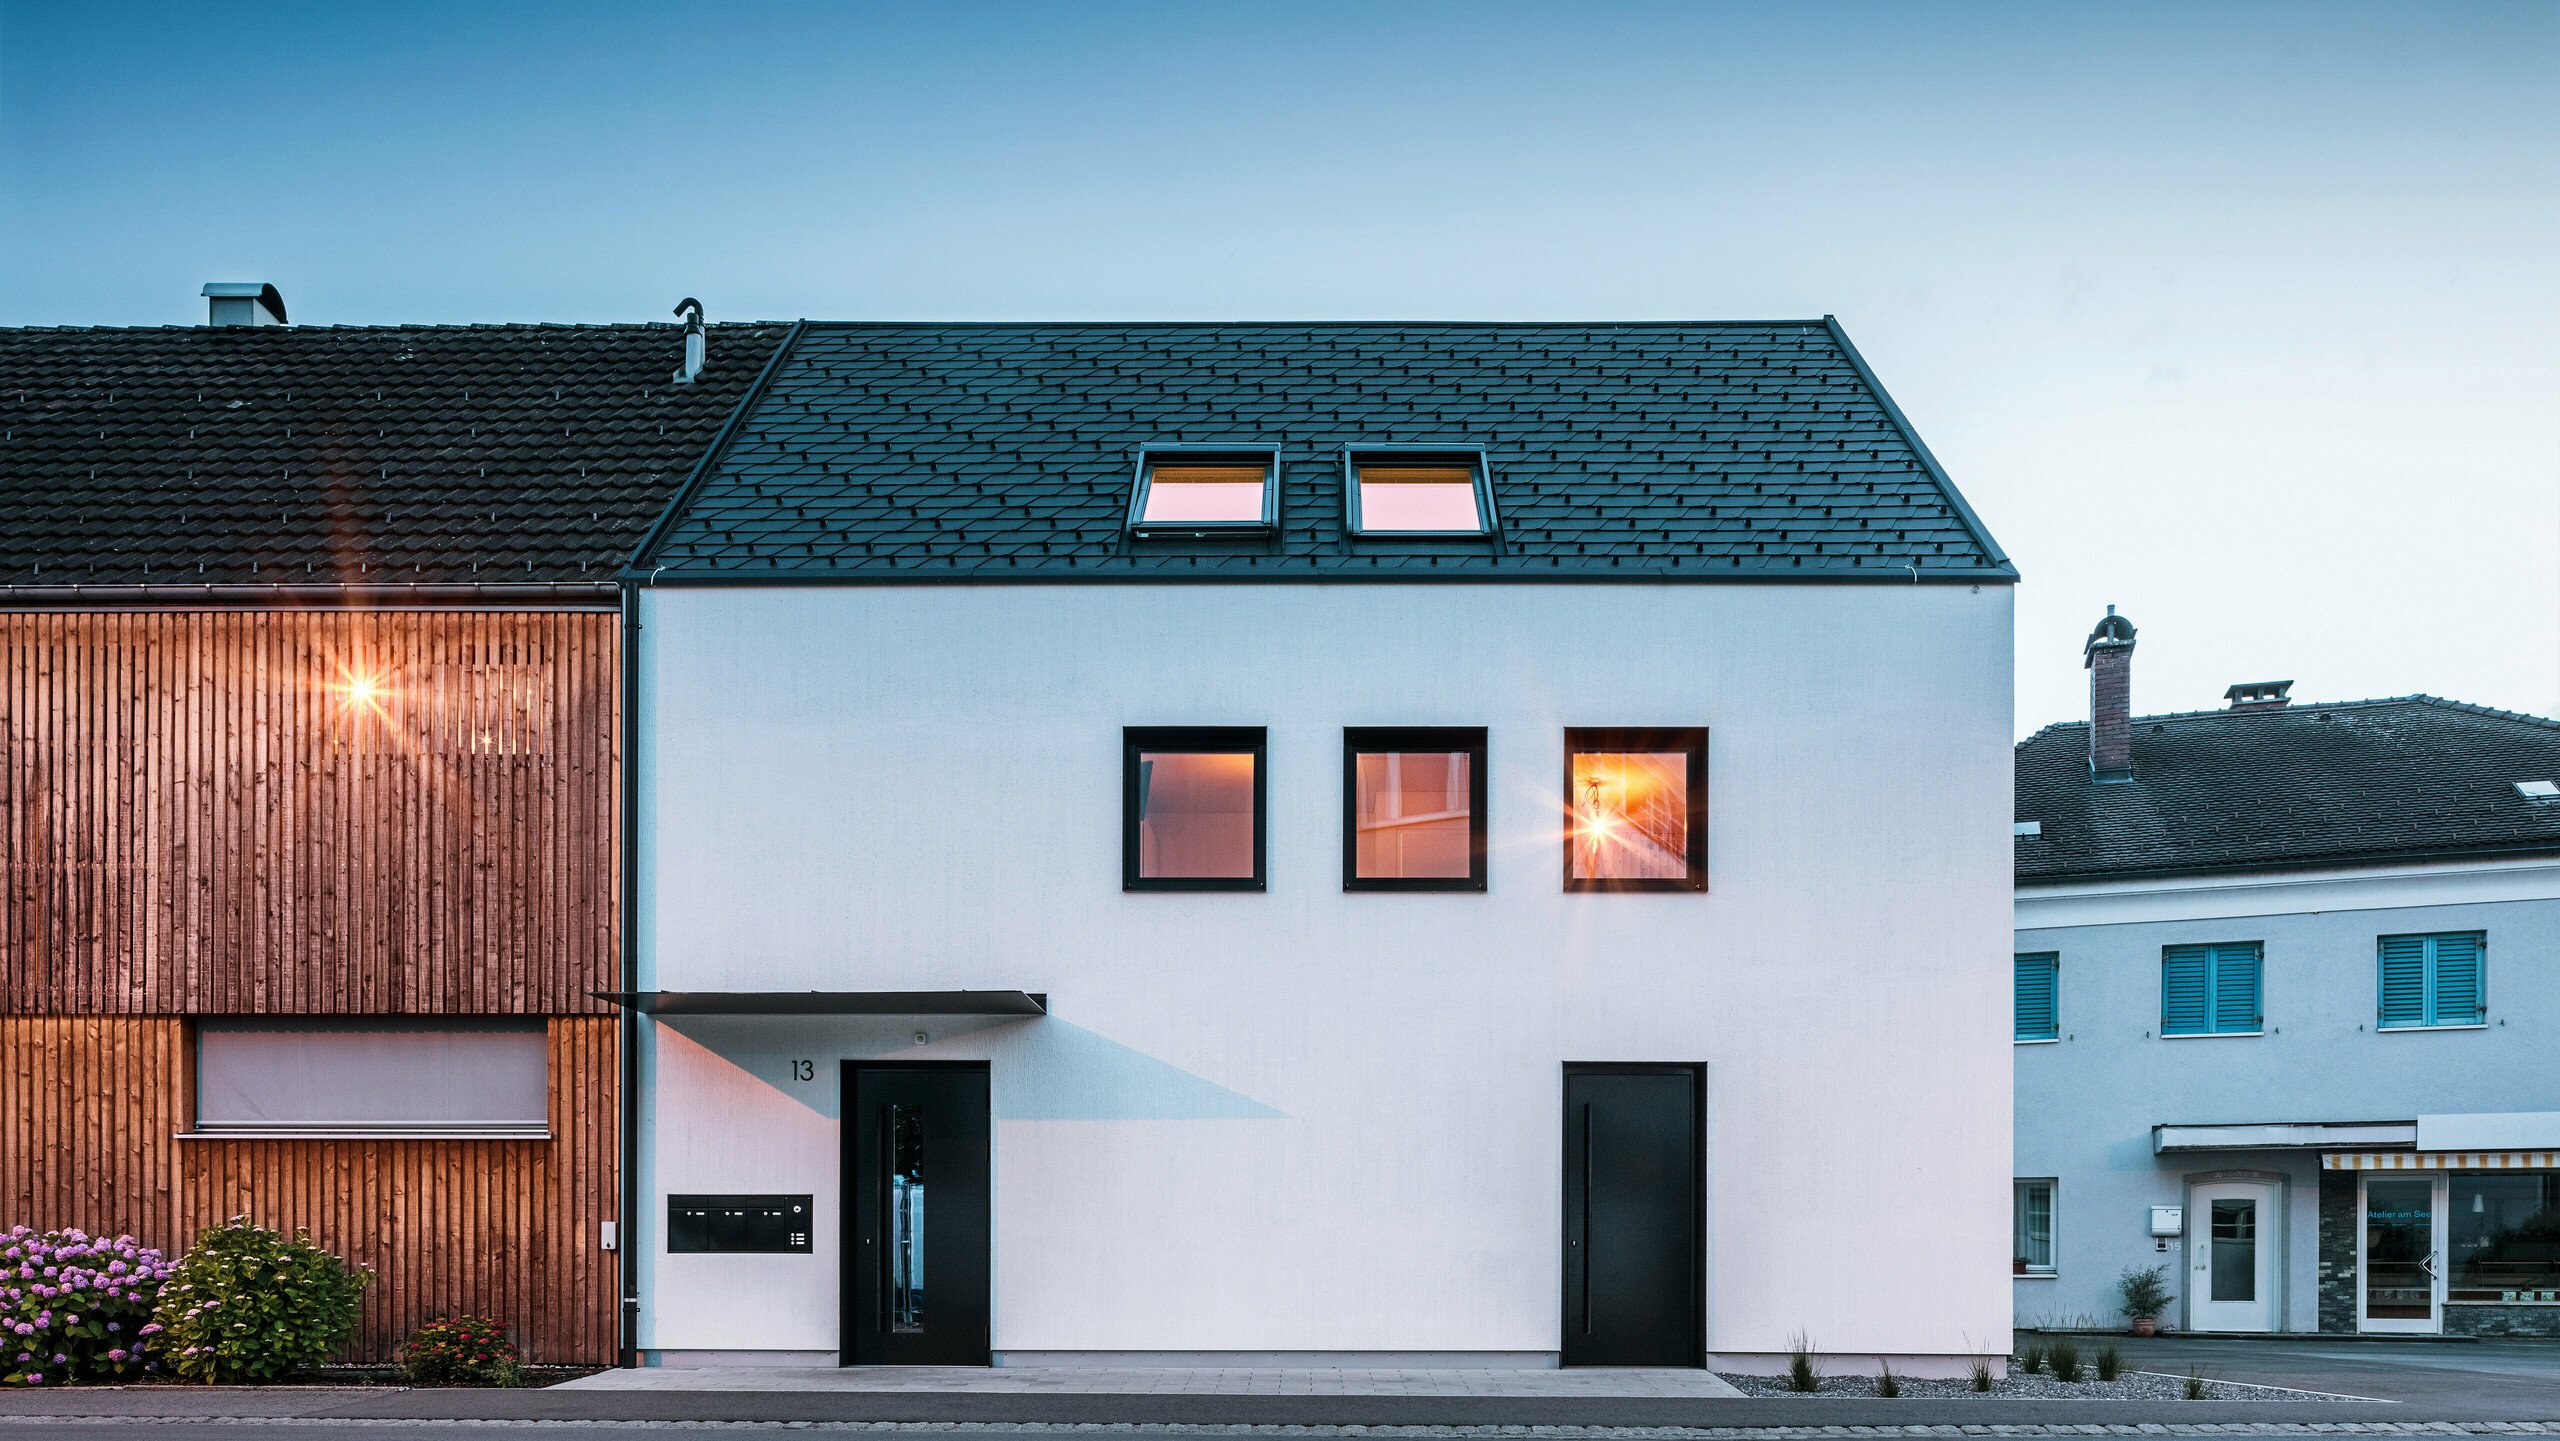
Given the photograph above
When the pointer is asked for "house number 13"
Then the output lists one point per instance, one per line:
(804, 1070)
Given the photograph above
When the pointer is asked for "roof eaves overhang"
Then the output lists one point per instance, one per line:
(517, 595)
(2304, 863)
(668, 576)
(830, 1003)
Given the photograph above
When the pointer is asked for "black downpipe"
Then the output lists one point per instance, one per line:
(629, 1270)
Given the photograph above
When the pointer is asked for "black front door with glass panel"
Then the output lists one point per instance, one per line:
(916, 1214)
(1632, 1220)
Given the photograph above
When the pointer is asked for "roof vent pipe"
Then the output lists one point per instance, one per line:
(243, 302)
(693, 341)
(2260, 695)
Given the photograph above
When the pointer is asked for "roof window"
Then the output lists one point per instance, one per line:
(1411, 492)
(2538, 790)
(1197, 493)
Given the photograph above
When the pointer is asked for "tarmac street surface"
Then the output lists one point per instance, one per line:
(2443, 1377)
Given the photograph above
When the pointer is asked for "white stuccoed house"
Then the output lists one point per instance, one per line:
(1315, 844)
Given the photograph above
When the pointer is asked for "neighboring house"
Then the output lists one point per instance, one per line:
(309, 807)
(2287, 977)
(1320, 844)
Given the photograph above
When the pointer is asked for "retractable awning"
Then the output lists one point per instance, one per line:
(831, 1003)
(2441, 1161)
(2281, 1135)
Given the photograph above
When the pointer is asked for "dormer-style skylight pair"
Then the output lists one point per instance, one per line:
(1399, 492)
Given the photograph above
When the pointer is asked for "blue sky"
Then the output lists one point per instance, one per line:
(2245, 318)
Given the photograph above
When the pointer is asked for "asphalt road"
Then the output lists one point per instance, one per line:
(2520, 1379)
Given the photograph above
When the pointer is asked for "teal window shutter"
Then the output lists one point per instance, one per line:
(2453, 974)
(2404, 981)
(2185, 973)
(2235, 988)
(2039, 1011)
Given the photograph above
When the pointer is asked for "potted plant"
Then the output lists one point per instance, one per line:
(2146, 1295)
(2018, 1266)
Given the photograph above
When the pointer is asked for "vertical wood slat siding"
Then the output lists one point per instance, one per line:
(89, 1108)
(200, 819)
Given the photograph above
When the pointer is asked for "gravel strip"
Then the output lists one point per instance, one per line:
(2131, 1386)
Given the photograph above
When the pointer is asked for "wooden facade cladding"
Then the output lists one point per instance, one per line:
(308, 812)
(91, 1108)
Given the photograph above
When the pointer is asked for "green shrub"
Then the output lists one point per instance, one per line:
(2066, 1360)
(2110, 1362)
(2145, 1293)
(76, 1307)
(462, 1351)
(1802, 1374)
(248, 1304)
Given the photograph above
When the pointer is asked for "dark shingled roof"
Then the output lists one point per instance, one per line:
(242, 455)
(906, 454)
(2347, 783)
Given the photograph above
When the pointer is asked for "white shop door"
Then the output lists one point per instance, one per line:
(2232, 1245)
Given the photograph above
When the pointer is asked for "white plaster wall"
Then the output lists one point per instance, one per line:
(1313, 1121)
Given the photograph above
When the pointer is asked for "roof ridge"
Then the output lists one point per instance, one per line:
(395, 326)
(2413, 696)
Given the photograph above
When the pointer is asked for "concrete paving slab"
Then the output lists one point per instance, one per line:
(1165, 1381)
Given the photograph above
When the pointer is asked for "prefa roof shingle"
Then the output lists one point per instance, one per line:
(264, 455)
(977, 454)
(2347, 783)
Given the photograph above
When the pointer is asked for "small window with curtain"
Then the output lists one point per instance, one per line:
(1417, 494)
(1635, 809)
(1196, 493)
(2038, 997)
(2432, 981)
(1192, 808)
(372, 1076)
(2031, 1228)
(2211, 990)
(1413, 809)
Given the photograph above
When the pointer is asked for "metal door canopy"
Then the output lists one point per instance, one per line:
(831, 1003)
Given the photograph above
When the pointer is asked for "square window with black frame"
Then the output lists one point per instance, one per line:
(1413, 809)
(1417, 494)
(1201, 493)
(1192, 808)
(1635, 809)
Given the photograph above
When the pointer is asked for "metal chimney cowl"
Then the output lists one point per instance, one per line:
(243, 302)
(694, 341)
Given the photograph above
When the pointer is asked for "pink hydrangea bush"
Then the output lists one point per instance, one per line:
(76, 1307)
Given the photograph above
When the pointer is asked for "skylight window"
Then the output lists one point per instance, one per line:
(1418, 493)
(2538, 790)
(1187, 493)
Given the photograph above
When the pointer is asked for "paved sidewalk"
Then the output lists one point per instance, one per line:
(1165, 1381)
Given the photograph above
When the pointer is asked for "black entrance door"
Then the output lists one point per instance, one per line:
(916, 1214)
(1632, 1223)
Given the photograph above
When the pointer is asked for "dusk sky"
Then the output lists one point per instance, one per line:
(2243, 318)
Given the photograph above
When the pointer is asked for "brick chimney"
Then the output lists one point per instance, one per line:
(2109, 657)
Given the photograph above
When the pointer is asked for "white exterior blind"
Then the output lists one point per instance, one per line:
(372, 1076)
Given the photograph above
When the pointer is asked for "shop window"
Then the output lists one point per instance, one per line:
(2210, 990)
(372, 1077)
(2038, 997)
(1636, 810)
(2504, 1235)
(1183, 492)
(2031, 1228)
(1413, 809)
(1414, 493)
(2431, 981)
(1192, 809)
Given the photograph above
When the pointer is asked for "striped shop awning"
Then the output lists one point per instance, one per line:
(2440, 1161)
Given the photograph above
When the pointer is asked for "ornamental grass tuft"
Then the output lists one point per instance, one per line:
(2110, 1362)
(1802, 1374)
(76, 1307)
(1887, 1383)
(1978, 1373)
(250, 1304)
(2066, 1360)
(2031, 1357)
(462, 1351)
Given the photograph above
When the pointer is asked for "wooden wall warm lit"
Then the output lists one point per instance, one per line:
(278, 813)
(90, 1107)
(204, 813)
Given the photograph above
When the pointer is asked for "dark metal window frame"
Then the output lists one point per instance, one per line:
(1204, 739)
(1358, 741)
(1477, 457)
(1240, 452)
(1691, 739)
